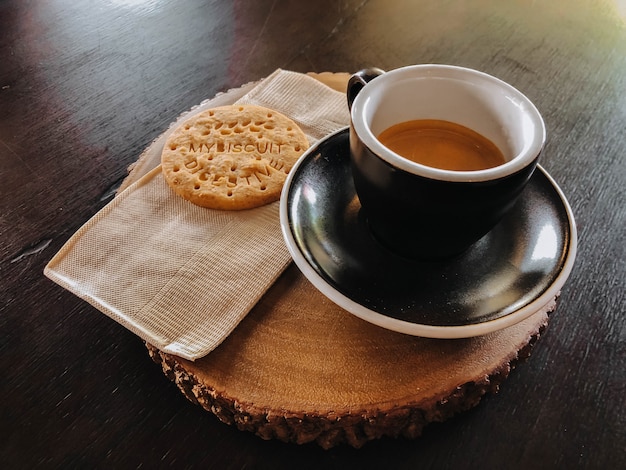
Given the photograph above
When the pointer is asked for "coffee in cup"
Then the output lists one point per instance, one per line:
(442, 144)
(439, 154)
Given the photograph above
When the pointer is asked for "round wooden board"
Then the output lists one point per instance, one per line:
(300, 369)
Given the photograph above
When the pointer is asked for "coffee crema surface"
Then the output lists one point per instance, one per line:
(442, 144)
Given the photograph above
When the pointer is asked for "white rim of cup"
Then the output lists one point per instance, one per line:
(518, 162)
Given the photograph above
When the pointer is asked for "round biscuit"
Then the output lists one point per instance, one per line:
(232, 157)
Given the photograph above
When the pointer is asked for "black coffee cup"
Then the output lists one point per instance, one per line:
(421, 211)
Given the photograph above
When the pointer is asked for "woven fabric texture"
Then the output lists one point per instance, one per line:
(181, 276)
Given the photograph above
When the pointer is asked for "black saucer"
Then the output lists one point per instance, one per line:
(506, 276)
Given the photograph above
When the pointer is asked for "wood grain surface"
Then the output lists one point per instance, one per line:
(300, 369)
(85, 87)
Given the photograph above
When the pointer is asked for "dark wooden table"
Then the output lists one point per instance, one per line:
(86, 86)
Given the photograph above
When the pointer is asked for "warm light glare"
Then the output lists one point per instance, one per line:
(620, 6)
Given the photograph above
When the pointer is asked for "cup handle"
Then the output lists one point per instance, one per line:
(359, 80)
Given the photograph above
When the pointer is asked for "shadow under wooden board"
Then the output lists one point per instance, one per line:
(300, 369)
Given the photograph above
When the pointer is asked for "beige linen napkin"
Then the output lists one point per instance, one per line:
(181, 276)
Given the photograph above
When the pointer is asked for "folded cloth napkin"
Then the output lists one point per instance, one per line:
(181, 276)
